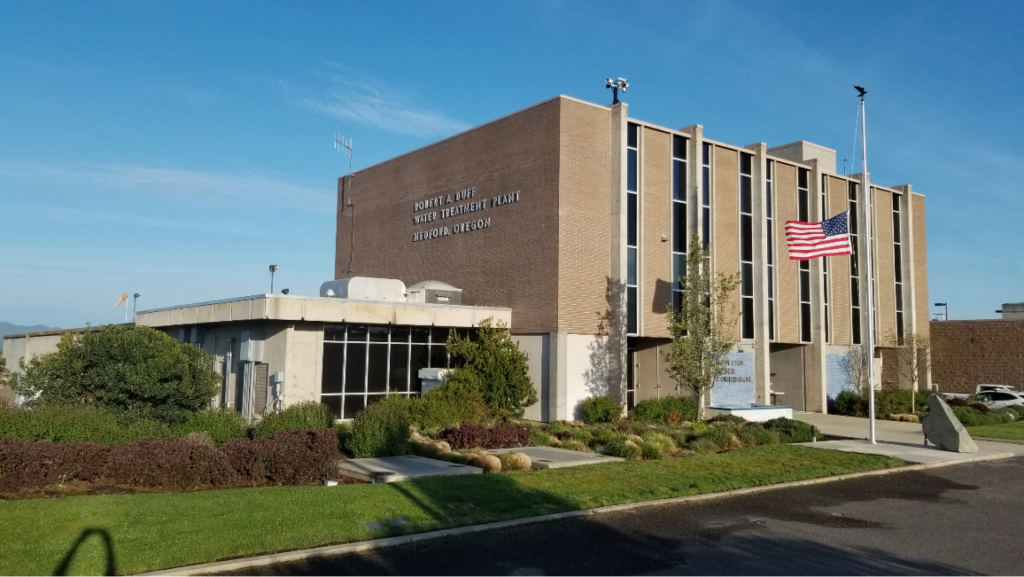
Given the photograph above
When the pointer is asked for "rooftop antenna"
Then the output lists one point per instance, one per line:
(615, 86)
(345, 147)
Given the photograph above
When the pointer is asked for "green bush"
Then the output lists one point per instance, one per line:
(659, 410)
(456, 402)
(971, 417)
(754, 434)
(69, 423)
(790, 430)
(730, 419)
(136, 371)
(382, 429)
(493, 362)
(721, 438)
(1017, 410)
(220, 425)
(621, 446)
(343, 431)
(306, 415)
(700, 427)
(851, 404)
(897, 402)
(656, 445)
(602, 409)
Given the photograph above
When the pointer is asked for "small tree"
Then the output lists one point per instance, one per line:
(139, 371)
(913, 359)
(853, 365)
(702, 327)
(7, 378)
(493, 363)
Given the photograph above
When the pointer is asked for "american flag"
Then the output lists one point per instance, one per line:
(807, 240)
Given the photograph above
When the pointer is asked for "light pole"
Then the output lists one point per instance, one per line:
(945, 313)
(135, 305)
(273, 269)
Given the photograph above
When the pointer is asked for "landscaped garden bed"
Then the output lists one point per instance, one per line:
(896, 405)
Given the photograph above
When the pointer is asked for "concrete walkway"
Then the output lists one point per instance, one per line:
(909, 453)
(888, 431)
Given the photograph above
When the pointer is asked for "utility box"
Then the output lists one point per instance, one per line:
(364, 288)
(431, 378)
(435, 292)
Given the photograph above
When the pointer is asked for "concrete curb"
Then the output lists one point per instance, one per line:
(996, 440)
(333, 550)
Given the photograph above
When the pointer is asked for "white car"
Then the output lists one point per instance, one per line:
(1000, 399)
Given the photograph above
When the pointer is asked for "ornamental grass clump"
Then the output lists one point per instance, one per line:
(574, 445)
(514, 461)
(655, 445)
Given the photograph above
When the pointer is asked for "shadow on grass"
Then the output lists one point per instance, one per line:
(69, 557)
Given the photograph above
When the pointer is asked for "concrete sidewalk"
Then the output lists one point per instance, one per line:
(911, 453)
(888, 431)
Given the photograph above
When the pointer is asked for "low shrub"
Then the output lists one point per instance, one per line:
(660, 410)
(514, 461)
(700, 427)
(958, 402)
(500, 436)
(1017, 410)
(177, 464)
(790, 430)
(851, 404)
(656, 445)
(382, 429)
(38, 464)
(754, 434)
(343, 432)
(221, 425)
(301, 457)
(980, 407)
(451, 404)
(601, 409)
(307, 415)
(971, 417)
(729, 419)
(720, 439)
(76, 423)
(574, 445)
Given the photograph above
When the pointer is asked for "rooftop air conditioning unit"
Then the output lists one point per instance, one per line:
(435, 292)
(364, 288)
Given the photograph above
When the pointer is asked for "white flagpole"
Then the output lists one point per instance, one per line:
(868, 202)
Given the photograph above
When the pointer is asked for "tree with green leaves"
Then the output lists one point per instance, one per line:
(493, 363)
(7, 378)
(136, 371)
(703, 325)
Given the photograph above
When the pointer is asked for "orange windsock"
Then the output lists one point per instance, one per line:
(123, 298)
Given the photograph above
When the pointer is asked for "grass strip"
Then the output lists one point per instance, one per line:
(1013, 431)
(160, 530)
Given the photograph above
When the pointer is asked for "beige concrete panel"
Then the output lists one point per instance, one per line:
(145, 319)
(886, 294)
(839, 270)
(413, 315)
(189, 315)
(371, 313)
(787, 300)
(656, 220)
(284, 309)
(920, 263)
(519, 152)
(453, 317)
(585, 370)
(536, 349)
(222, 312)
(302, 375)
(241, 310)
(725, 214)
(584, 227)
(505, 316)
(205, 314)
(175, 317)
(326, 310)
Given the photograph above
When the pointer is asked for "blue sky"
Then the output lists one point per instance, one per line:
(178, 149)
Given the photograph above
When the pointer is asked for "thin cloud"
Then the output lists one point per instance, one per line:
(369, 102)
(221, 190)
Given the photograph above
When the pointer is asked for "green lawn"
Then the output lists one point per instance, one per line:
(160, 530)
(1013, 430)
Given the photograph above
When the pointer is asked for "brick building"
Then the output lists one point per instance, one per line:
(969, 353)
(576, 217)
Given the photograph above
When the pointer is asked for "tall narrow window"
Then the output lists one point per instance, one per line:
(679, 146)
(854, 266)
(747, 246)
(897, 260)
(824, 261)
(769, 168)
(632, 225)
(803, 204)
(706, 194)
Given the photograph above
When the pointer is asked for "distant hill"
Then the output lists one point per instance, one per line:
(12, 329)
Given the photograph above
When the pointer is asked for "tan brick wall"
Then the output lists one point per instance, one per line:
(656, 220)
(787, 300)
(839, 269)
(886, 296)
(966, 354)
(584, 248)
(725, 213)
(920, 265)
(512, 263)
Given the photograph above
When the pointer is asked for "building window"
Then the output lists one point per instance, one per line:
(854, 266)
(679, 147)
(803, 214)
(769, 224)
(746, 246)
(363, 363)
(897, 260)
(632, 225)
(706, 194)
(824, 261)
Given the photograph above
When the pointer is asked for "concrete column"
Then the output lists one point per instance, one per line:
(617, 277)
(762, 361)
(694, 194)
(557, 373)
(814, 356)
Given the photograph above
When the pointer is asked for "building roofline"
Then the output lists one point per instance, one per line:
(312, 298)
